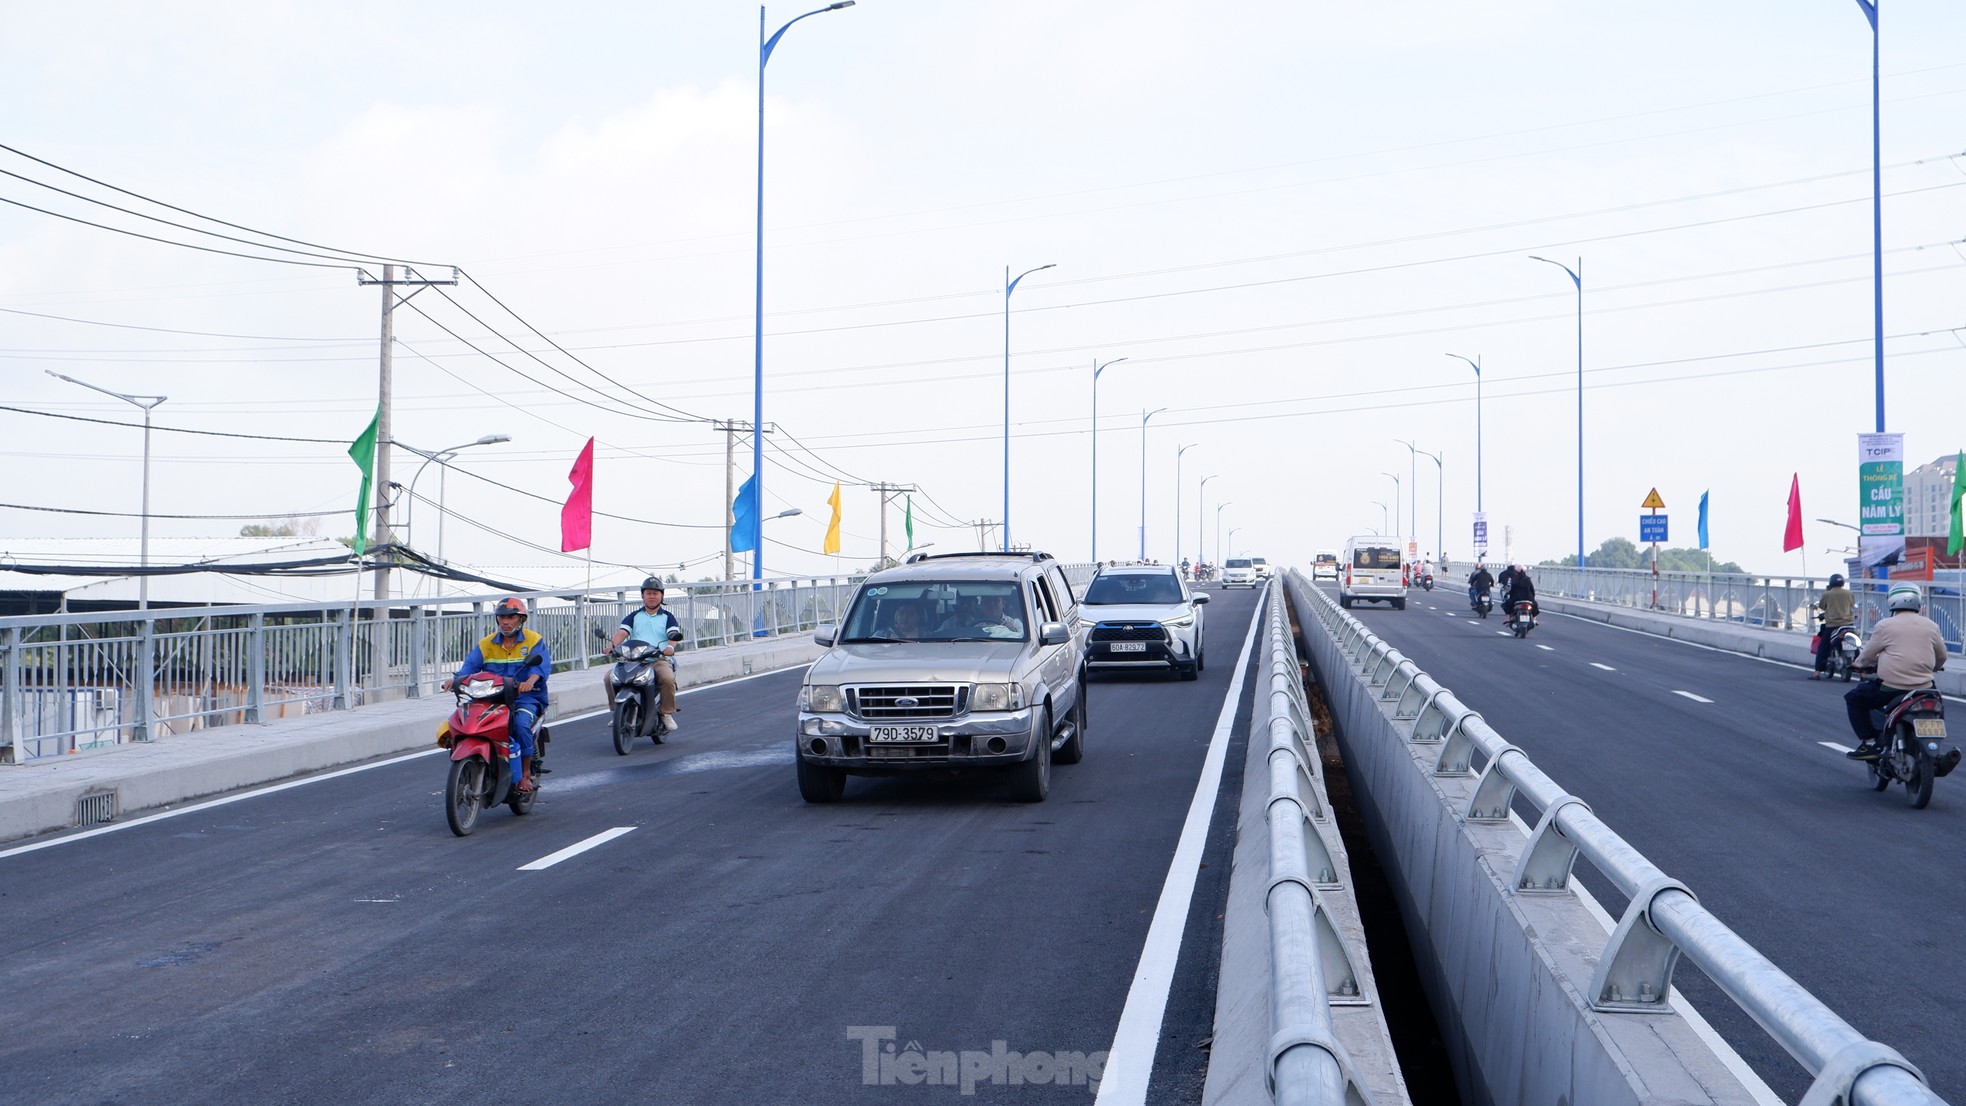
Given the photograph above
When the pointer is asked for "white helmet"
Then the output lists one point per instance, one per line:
(1904, 597)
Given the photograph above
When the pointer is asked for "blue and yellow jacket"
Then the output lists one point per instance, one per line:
(506, 657)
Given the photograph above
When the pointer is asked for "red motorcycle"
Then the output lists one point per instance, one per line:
(479, 737)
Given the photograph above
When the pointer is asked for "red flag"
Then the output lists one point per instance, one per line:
(577, 517)
(1792, 537)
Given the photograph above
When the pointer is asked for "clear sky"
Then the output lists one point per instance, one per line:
(1285, 215)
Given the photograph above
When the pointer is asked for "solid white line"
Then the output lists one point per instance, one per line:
(575, 849)
(1695, 698)
(1130, 1062)
(1606, 667)
(255, 793)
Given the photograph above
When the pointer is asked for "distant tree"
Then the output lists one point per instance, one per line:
(289, 527)
(1622, 553)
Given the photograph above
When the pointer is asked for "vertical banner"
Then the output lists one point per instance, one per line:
(1480, 535)
(1881, 500)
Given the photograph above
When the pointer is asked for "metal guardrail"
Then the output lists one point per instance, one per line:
(1663, 921)
(73, 682)
(1771, 602)
(1310, 969)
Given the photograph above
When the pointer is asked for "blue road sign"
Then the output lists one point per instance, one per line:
(1652, 528)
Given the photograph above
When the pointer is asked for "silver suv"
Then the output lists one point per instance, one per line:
(961, 661)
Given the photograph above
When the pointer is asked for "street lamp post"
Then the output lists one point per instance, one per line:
(765, 47)
(1412, 477)
(1218, 530)
(1143, 478)
(1475, 364)
(443, 458)
(1395, 481)
(1010, 286)
(1201, 494)
(1233, 531)
(1440, 512)
(147, 403)
(1097, 368)
(1382, 515)
(1876, 210)
(1577, 278)
(1177, 497)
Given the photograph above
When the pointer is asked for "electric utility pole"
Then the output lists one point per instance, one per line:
(389, 283)
(887, 493)
(731, 429)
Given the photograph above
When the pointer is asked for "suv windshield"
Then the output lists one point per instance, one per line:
(937, 610)
(1135, 587)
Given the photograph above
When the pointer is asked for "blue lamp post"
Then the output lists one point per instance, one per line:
(1395, 481)
(1097, 368)
(1577, 278)
(1475, 364)
(1218, 528)
(1876, 210)
(1009, 286)
(1201, 496)
(765, 47)
(1177, 496)
(1144, 416)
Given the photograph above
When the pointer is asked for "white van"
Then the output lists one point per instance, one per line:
(1324, 566)
(1373, 569)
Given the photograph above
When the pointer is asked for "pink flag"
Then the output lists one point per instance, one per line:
(577, 517)
(1792, 537)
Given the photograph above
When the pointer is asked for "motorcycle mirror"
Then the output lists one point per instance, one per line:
(675, 634)
(534, 661)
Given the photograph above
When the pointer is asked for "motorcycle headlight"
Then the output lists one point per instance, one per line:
(642, 678)
(481, 689)
(821, 699)
(997, 697)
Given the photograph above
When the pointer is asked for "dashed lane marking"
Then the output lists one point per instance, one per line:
(1690, 695)
(1606, 667)
(575, 849)
(1546, 648)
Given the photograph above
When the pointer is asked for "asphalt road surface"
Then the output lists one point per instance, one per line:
(1715, 767)
(334, 943)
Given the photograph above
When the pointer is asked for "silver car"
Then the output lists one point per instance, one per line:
(1143, 616)
(956, 662)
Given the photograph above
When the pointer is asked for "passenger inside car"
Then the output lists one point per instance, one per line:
(904, 620)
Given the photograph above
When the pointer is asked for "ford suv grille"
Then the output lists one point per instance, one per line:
(908, 703)
(1128, 631)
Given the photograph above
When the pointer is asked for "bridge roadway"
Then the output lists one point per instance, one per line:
(333, 942)
(1712, 765)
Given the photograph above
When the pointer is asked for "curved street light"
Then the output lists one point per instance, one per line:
(1382, 516)
(443, 459)
(1010, 286)
(1577, 278)
(1177, 498)
(1218, 529)
(1475, 364)
(143, 540)
(1143, 478)
(765, 47)
(1233, 531)
(1395, 481)
(1201, 493)
(1097, 368)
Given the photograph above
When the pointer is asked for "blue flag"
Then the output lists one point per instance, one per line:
(744, 518)
(1703, 520)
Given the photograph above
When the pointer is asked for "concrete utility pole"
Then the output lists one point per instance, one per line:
(984, 527)
(731, 428)
(384, 431)
(887, 493)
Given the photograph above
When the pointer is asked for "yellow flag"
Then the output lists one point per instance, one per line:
(833, 528)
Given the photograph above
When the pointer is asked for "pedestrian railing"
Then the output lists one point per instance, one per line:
(83, 681)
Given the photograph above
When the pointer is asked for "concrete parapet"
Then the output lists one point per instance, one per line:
(40, 796)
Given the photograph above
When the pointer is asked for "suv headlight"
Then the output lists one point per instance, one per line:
(997, 697)
(821, 698)
(1180, 620)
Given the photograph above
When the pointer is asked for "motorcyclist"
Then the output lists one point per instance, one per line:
(1905, 649)
(1521, 590)
(652, 624)
(1480, 582)
(1839, 607)
(504, 653)
(1507, 577)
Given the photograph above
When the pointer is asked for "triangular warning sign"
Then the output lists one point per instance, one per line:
(1652, 501)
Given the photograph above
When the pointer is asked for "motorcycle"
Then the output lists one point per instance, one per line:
(479, 737)
(633, 713)
(1482, 603)
(1915, 749)
(1522, 617)
(1843, 645)
(1427, 581)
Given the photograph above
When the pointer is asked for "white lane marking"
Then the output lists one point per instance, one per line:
(196, 807)
(1130, 1062)
(1755, 1086)
(1606, 667)
(1833, 745)
(575, 849)
(1545, 648)
(1690, 695)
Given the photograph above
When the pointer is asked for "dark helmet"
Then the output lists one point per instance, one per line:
(1836, 579)
(653, 583)
(511, 605)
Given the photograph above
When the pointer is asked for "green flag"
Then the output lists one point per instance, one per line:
(908, 520)
(1958, 539)
(363, 454)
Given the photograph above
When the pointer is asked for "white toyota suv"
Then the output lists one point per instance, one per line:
(1142, 616)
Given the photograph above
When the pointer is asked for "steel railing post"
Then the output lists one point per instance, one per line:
(419, 644)
(255, 666)
(146, 689)
(10, 701)
(582, 650)
(343, 660)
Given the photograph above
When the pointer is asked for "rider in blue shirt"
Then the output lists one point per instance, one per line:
(504, 653)
(651, 624)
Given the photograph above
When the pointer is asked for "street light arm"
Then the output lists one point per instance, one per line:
(1574, 278)
(134, 399)
(1012, 286)
(1097, 367)
(1472, 363)
(764, 52)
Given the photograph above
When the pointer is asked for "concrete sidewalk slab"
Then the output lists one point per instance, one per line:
(41, 795)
